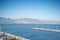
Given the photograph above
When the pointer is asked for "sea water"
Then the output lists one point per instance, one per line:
(25, 30)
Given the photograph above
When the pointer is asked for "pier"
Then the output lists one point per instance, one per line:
(45, 29)
(11, 36)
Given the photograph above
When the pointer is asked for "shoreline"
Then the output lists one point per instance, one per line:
(12, 36)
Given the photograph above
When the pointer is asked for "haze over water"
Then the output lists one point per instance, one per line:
(36, 9)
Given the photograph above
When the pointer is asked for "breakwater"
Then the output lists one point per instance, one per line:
(51, 30)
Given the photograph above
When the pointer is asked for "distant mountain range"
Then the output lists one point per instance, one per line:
(26, 21)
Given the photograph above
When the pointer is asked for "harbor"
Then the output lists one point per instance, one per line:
(8, 36)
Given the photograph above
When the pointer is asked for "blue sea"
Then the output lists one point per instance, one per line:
(25, 30)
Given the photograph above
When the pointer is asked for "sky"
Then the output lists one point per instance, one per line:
(38, 9)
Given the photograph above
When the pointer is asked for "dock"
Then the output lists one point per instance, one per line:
(45, 29)
(11, 36)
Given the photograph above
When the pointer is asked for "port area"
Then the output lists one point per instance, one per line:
(8, 36)
(45, 29)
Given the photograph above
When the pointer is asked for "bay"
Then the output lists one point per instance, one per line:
(25, 30)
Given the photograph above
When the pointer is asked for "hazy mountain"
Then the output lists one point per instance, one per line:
(26, 21)
(6, 20)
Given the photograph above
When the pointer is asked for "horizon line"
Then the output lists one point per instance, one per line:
(34, 18)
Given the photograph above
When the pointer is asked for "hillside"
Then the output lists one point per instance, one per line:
(26, 21)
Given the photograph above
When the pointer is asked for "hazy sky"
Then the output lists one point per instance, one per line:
(39, 9)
